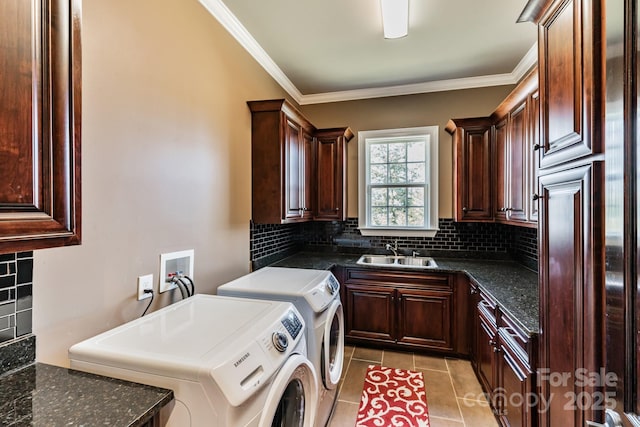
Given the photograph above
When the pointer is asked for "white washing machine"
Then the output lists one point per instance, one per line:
(229, 361)
(315, 293)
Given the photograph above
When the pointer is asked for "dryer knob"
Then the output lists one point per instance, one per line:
(280, 341)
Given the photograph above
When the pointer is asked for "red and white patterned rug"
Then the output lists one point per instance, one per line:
(393, 397)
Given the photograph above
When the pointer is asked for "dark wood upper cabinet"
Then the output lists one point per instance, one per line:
(473, 166)
(40, 124)
(493, 169)
(569, 37)
(515, 139)
(298, 173)
(281, 163)
(331, 173)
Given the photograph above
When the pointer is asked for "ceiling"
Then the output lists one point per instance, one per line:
(334, 50)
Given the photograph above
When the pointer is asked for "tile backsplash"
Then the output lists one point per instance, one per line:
(16, 295)
(492, 240)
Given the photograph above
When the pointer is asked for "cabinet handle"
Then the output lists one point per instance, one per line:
(508, 209)
(465, 209)
(537, 147)
(535, 197)
(475, 291)
(336, 209)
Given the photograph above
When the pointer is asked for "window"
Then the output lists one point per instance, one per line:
(398, 182)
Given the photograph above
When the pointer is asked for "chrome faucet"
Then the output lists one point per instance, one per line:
(394, 248)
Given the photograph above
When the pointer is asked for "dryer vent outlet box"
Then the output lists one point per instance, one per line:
(172, 264)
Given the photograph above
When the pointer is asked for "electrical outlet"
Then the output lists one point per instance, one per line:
(175, 263)
(144, 282)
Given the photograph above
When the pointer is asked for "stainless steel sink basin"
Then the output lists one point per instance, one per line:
(398, 261)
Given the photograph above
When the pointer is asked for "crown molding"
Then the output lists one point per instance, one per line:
(229, 21)
(221, 12)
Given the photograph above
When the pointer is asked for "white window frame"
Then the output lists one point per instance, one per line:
(431, 182)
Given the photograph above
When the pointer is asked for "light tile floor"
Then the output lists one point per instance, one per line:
(454, 395)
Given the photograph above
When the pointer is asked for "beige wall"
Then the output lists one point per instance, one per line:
(165, 164)
(166, 160)
(408, 111)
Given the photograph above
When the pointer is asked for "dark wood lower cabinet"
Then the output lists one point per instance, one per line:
(445, 313)
(402, 309)
(503, 357)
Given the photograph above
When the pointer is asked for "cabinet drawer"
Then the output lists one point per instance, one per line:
(423, 280)
(513, 335)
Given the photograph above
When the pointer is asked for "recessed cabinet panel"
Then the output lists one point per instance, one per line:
(40, 124)
(370, 312)
(516, 210)
(331, 173)
(568, 45)
(294, 152)
(533, 157)
(473, 167)
(502, 170)
(425, 318)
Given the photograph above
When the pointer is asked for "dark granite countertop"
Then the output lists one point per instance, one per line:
(513, 286)
(46, 395)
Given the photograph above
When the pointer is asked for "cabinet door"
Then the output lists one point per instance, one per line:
(502, 170)
(329, 166)
(570, 45)
(370, 312)
(533, 157)
(473, 170)
(292, 208)
(40, 124)
(307, 174)
(516, 209)
(425, 318)
(571, 291)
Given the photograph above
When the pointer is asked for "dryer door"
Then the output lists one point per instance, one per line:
(293, 396)
(333, 345)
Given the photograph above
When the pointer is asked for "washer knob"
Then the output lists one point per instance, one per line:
(332, 285)
(280, 341)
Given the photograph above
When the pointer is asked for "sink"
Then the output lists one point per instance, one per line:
(398, 261)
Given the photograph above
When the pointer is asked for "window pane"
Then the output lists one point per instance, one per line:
(416, 172)
(415, 197)
(397, 196)
(397, 152)
(397, 173)
(398, 216)
(379, 216)
(416, 216)
(378, 174)
(378, 153)
(379, 197)
(416, 151)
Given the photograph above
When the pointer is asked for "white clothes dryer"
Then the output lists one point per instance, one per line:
(316, 294)
(229, 361)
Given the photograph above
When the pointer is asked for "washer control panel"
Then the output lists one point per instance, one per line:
(292, 324)
(332, 285)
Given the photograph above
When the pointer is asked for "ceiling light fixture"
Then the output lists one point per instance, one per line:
(395, 18)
